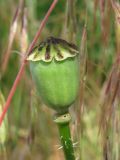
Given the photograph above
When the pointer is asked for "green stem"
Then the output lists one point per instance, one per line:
(65, 137)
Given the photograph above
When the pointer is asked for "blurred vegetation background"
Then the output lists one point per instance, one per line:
(30, 133)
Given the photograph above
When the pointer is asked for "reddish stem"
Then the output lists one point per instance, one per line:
(18, 77)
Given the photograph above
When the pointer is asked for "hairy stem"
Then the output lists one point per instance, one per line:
(65, 137)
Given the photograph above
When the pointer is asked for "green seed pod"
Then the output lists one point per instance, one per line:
(55, 70)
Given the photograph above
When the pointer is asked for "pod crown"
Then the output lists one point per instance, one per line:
(56, 48)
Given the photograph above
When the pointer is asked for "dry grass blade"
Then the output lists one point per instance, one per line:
(110, 103)
(70, 25)
(105, 22)
(12, 33)
(18, 77)
(96, 2)
(83, 66)
(108, 107)
(116, 7)
(102, 11)
(24, 35)
(79, 106)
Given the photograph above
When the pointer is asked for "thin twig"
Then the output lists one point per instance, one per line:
(18, 77)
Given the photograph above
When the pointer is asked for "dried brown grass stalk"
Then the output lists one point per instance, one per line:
(24, 33)
(110, 102)
(105, 20)
(83, 63)
(70, 21)
(79, 105)
(19, 75)
(96, 2)
(11, 38)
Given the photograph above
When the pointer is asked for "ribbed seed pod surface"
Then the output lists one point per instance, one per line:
(54, 67)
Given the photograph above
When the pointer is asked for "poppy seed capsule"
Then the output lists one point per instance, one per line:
(54, 67)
